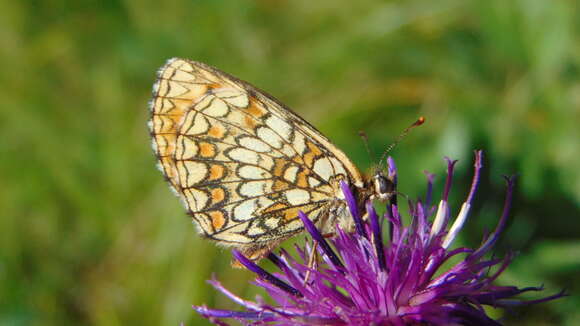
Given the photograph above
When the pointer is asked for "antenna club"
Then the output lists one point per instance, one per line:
(417, 123)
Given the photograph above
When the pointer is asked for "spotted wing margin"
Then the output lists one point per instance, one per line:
(241, 162)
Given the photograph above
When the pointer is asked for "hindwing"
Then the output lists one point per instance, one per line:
(242, 163)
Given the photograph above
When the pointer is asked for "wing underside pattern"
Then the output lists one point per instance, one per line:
(242, 163)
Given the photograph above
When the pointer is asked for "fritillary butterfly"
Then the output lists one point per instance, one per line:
(243, 163)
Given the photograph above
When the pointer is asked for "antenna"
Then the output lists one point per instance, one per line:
(365, 139)
(417, 123)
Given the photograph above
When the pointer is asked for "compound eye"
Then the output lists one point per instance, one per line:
(383, 186)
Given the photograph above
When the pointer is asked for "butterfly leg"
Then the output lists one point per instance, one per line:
(312, 261)
(256, 252)
(313, 258)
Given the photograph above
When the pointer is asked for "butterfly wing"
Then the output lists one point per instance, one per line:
(242, 163)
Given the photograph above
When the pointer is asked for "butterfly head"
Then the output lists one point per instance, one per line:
(383, 187)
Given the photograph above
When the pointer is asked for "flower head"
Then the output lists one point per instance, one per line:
(363, 280)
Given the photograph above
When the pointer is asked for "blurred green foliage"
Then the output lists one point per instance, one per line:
(89, 232)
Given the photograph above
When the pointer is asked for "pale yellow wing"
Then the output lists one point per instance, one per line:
(242, 163)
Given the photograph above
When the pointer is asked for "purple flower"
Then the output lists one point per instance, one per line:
(363, 280)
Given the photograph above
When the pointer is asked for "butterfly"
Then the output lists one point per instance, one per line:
(244, 164)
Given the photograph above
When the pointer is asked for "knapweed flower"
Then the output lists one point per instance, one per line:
(363, 280)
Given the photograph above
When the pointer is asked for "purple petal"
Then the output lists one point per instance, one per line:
(449, 179)
(478, 165)
(377, 234)
(502, 222)
(392, 170)
(265, 275)
(317, 236)
(219, 313)
(352, 207)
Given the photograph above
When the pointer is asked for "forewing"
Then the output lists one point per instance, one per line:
(242, 163)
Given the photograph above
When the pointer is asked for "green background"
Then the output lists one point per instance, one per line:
(90, 233)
